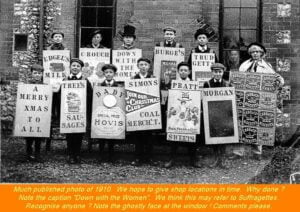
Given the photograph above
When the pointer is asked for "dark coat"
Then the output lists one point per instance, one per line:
(115, 84)
(197, 50)
(137, 76)
(174, 44)
(99, 47)
(212, 84)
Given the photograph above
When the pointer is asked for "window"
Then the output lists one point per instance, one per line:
(239, 26)
(20, 42)
(93, 15)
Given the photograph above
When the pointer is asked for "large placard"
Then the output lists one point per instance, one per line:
(33, 110)
(142, 104)
(220, 115)
(166, 60)
(56, 65)
(108, 117)
(126, 62)
(201, 63)
(256, 102)
(93, 60)
(184, 109)
(73, 106)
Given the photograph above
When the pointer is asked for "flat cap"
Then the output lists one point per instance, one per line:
(37, 67)
(57, 32)
(109, 66)
(98, 31)
(217, 66)
(170, 29)
(77, 60)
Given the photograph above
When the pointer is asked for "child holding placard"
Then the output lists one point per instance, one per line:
(36, 77)
(109, 71)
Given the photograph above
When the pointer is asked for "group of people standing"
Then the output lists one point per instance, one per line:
(144, 139)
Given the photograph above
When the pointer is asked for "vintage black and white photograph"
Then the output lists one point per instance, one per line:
(86, 91)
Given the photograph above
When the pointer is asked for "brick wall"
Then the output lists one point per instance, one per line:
(7, 72)
(152, 16)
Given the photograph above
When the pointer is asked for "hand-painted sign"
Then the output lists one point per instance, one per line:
(108, 117)
(73, 106)
(33, 110)
(142, 104)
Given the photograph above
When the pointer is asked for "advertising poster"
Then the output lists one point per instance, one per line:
(126, 62)
(93, 60)
(108, 116)
(142, 104)
(56, 65)
(184, 111)
(220, 115)
(201, 63)
(166, 60)
(73, 106)
(33, 110)
(256, 102)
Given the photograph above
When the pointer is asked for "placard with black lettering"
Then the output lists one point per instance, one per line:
(126, 62)
(33, 110)
(56, 65)
(165, 64)
(238, 80)
(93, 60)
(142, 101)
(73, 106)
(108, 117)
(201, 62)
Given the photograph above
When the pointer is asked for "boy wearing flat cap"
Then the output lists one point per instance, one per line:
(201, 36)
(74, 140)
(57, 41)
(143, 139)
(215, 82)
(96, 38)
(169, 38)
(109, 71)
(128, 38)
(36, 77)
(184, 71)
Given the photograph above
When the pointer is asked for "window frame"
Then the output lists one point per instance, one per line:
(222, 50)
(79, 27)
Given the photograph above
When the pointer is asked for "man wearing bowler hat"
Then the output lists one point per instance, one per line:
(169, 38)
(128, 38)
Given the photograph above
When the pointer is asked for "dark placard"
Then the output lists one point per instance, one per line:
(250, 118)
(252, 99)
(249, 135)
(266, 119)
(240, 98)
(253, 81)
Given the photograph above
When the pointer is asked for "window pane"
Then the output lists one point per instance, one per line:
(86, 38)
(231, 18)
(104, 17)
(88, 17)
(231, 39)
(248, 3)
(232, 59)
(248, 18)
(247, 37)
(106, 2)
(232, 3)
(89, 2)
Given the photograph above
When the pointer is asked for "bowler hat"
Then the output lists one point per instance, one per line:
(57, 32)
(170, 29)
(200, 32)
(77, 60)
(256, 44)
(129, 31)
(109, 66)
(217, 66)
